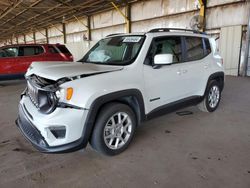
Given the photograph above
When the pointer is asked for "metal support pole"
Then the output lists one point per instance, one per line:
(47, 35)
(203, 5)
(128, 13)
(85, 25)
(24, 38)
(34, 37)
(127, 20)
(80, 21)
(247, 54)
(64, 33)
(89, 28)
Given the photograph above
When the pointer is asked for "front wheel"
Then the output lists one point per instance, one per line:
(114, 129)
(212, 97)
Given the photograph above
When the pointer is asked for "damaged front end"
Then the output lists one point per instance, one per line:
(44, 93)
(45, 120)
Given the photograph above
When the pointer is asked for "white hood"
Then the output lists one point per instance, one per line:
(57, 70)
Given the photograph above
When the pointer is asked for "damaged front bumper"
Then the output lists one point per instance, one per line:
(36, 128)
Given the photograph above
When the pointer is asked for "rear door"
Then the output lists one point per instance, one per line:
(28, 54)
(194, 70)
(8, 61)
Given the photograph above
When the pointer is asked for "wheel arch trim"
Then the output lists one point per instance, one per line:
(213, 77)
(111, 97)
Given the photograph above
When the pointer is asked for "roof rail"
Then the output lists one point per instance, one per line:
(174, 29)
(113, 34)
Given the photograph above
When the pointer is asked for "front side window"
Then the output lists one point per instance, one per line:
(3, 53)
(194, 48)
(8, 52)
(30, 50)
(165, 45)
(117, 50)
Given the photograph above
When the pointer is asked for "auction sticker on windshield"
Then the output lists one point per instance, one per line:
(131, 39)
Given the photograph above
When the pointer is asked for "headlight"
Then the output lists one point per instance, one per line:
(47, 102)
(59, 94)
(67, 93)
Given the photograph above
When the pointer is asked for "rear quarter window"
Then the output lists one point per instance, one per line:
(63, 49)
(53, 50)
(207, 46)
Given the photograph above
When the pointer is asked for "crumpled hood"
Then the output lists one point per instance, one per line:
(57, 70)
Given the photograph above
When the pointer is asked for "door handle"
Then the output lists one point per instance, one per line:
(184, 71)
(205, 66)
(178, 72)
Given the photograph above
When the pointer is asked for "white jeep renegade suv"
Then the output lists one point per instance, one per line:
(123, 80)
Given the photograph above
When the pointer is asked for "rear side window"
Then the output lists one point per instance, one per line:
(194, 48)
(63, 49)
(30, 50)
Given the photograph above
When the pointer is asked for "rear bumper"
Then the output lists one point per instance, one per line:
(33, 135)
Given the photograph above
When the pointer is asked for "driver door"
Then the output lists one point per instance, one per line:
(8, 61)
(164, 84)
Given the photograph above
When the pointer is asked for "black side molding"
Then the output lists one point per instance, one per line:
(171, 107)
(155, 99)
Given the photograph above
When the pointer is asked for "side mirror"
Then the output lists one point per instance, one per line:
(163, 59)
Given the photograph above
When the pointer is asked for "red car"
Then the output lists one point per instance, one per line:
(15, 59)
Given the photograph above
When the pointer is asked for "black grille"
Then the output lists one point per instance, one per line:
(33, 94)
(44, 100)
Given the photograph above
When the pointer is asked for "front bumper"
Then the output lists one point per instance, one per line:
(35, 129)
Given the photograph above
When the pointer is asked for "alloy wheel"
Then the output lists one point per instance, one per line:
(117, 130)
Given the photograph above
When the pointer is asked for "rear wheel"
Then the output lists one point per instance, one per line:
(114, 129)
(212, 97)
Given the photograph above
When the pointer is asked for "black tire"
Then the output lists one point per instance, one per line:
(206, 104)
(98, 141)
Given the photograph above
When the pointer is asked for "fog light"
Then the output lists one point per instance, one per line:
(58, 132)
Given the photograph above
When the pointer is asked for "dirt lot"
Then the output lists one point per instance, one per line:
(196, 150)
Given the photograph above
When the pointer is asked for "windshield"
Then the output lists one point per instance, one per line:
(118, 50)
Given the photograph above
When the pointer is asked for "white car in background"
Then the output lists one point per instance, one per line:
(123, 80)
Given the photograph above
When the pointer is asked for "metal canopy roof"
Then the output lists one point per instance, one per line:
(21, 16)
